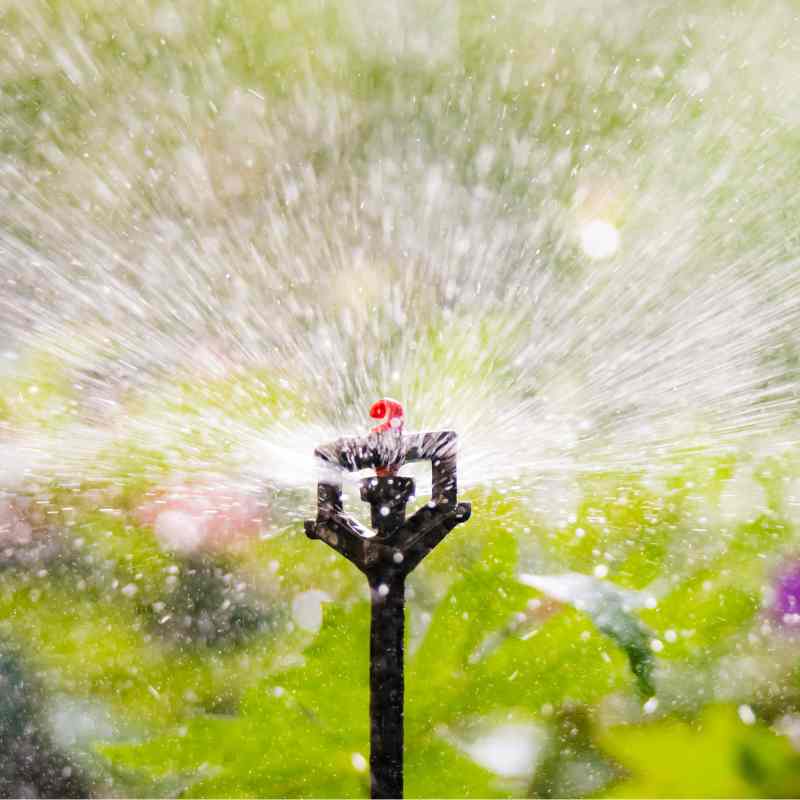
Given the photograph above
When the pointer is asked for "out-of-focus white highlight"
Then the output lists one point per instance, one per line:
(179, 531)
(508, 750)
(307, 609)
(359, 763)
(599, 239)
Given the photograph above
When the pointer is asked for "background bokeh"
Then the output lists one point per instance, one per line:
(566, 229)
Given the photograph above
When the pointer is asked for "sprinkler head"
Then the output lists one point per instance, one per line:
(398, 544)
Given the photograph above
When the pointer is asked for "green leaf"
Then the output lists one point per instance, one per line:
(334, 678)
(565, 661)
(297, 734)
(703, 612)
(480, 602)
(618, 514)
(95, 646)
(716, 755)
(435, 768)
(610, 608)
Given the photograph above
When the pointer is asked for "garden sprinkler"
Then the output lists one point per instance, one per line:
(388, 555)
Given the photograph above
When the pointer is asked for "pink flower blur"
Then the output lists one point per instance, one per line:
(14, 528)
(200, 517)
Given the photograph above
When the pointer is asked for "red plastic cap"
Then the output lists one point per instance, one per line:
(390, 412)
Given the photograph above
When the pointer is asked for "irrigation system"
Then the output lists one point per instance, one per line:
(388, 554)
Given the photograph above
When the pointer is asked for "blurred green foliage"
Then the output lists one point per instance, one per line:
(714, 755)
(247, 717)
(265, 707)
(303, 726)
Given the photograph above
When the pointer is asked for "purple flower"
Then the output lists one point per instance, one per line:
(786, 606)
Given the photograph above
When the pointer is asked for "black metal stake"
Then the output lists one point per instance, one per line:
(386, 684)
(386, 558)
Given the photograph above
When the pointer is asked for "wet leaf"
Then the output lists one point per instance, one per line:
(715, 755)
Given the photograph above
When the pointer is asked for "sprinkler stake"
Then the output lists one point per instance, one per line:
(387, 557)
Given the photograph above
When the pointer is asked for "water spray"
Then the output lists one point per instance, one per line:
(387, 555)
